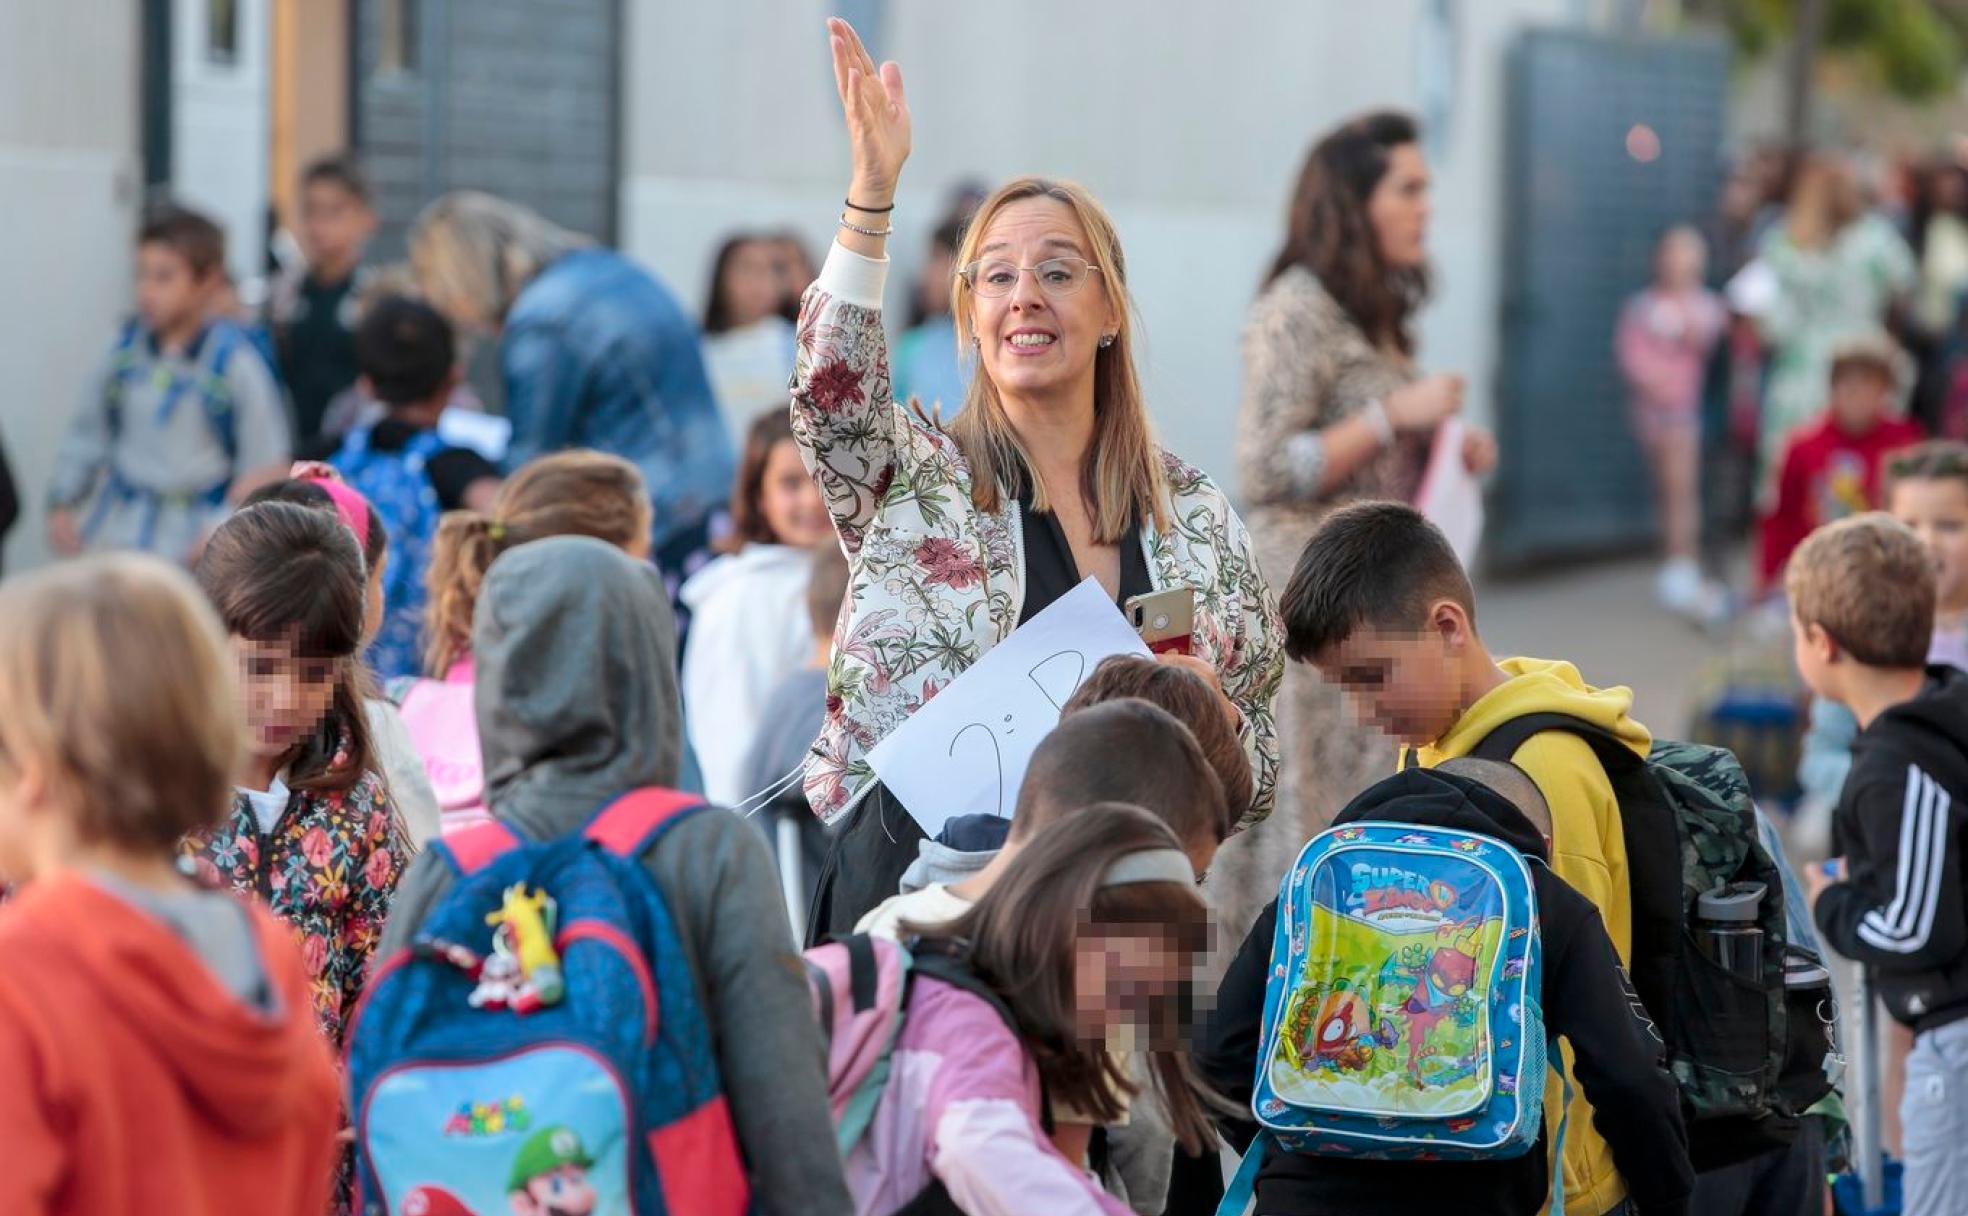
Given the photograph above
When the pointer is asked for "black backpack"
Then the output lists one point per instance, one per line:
(1747, 1064)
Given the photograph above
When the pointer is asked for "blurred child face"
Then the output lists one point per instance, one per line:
(171, 297)
(1401, 681)
(1119, 972)
(751, 283)
(286, 693)
(790, 501)
(1860, 397)
(1812, 650)
(1683, 260)
(1937, 510)
(372, 600)
(335, 225)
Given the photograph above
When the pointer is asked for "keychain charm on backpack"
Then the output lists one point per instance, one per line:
(523, 971)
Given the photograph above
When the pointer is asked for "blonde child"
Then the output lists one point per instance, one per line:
(575, 493)
(155, 1037)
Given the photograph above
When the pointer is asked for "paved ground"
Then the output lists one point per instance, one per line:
(1602, 617)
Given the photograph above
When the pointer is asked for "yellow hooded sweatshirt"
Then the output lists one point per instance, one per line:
(1587, 851)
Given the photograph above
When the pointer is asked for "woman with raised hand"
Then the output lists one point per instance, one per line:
(1049, 475)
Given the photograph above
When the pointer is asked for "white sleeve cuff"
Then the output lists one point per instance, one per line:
(853, 277)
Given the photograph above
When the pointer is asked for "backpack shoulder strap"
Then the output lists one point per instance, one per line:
(1503, 742)
(472, 849)
(215, 393)
(632, 823)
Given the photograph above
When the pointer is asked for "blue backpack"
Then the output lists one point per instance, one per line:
(399, 488)
(1402, 1017)
(541, 1040)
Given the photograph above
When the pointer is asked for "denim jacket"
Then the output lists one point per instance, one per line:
(597, 353)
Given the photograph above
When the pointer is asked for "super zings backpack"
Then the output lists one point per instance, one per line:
(1402, 1016)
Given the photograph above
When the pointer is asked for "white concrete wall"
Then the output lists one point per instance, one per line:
(69, 184)
(1189, 122)
(221, 133)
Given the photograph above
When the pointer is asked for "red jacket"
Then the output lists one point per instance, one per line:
(135, 1082)
(1826, 475)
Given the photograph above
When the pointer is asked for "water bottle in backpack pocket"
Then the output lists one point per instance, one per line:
(1403, 1016)
(1710, 941)
(541, 1041)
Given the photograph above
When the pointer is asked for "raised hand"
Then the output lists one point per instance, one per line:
(877, 115)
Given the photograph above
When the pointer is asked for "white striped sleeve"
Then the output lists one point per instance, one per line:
(1904, 925)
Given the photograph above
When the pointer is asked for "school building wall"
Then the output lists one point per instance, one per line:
(69, 189)
(1190, 124)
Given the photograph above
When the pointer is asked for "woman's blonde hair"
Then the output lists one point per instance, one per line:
(1121, 479)
(572, 493)
(474, 252)
(119, 687)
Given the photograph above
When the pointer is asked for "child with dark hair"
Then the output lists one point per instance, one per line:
(396, 754)
(1380, 605)
(155, 1036)
(312, 830)
(313, 312)
(184, 419)
(748, 345)
(403, 467)
(1085, 941)
(1586, 998)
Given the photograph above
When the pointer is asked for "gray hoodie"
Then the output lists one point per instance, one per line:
(577, 704)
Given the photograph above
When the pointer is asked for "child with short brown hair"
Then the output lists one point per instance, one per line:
(156, 1037)
(1862, 616)
(184, 417)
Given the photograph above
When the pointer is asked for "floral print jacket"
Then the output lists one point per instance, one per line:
(936, 582)
(328, 870)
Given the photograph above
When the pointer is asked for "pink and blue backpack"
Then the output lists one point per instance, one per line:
(541, 1039)
(1402, 1017)
(398, 485)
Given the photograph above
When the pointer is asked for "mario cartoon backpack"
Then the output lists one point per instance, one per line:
(539, 1047)
(1402, 1016)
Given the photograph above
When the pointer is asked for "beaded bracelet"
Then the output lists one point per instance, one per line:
(874, 232)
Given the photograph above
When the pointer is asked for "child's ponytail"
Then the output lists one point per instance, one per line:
(463, 550)
(573, 493)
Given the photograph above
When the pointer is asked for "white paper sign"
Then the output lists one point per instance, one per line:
(1450, 496)
(966, 751)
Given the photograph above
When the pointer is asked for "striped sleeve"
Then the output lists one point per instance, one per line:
(1901, 904)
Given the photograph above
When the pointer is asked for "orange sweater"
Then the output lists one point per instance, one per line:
(134, 1082)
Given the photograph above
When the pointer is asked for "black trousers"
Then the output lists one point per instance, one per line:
(864, 864)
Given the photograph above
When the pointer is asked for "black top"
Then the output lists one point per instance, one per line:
(1902, 828)
(1586, 999)
(451, 471)
(317, 351)
(1050, 570)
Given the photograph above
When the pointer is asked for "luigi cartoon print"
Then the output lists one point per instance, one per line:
(550, 1175)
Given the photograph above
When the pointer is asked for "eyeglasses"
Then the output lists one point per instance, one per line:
(1056, 276)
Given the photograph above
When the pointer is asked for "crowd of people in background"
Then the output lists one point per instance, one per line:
(583, 668)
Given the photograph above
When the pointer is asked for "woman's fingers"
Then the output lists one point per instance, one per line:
(840, 64)
(891, 78)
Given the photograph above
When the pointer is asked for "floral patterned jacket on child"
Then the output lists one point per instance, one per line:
(327, 870)
(937, 582)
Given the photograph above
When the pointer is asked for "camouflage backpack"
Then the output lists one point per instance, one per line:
(1689, 827)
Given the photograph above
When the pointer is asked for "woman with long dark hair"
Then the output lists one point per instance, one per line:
(748, 345)
(1335, 409)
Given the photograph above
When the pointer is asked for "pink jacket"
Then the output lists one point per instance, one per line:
(1663, 344)
(962, 1107)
